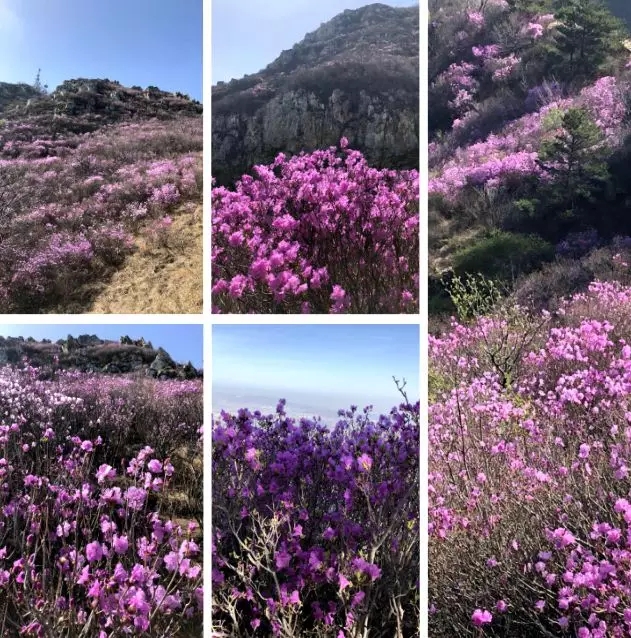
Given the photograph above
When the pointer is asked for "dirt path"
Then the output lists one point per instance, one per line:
(161, 276)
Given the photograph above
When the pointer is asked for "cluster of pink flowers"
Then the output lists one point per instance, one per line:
(476, 18)
(74, 202)
(502, 68)
(514, 151)
(315, 529)
(166, 195)
(535, 30)
(84, 544)
(317, 233)
(537, 27)
(530, 458)
(606, 101)
(468, 156)
(465, 78)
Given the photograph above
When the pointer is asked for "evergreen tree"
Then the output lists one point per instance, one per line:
(576, 161)
(531, 6)
(587, 34)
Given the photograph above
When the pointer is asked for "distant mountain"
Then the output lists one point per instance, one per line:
(356, 76)
(88, 353)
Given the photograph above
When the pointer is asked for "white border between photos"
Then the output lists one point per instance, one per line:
(207, 323)
(424, 321)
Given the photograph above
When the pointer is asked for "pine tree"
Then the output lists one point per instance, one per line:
(575, 160)
(531, 7)
(587, 34)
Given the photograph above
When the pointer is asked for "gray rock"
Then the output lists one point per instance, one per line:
(163, 365)
(356, 76)
(89, 353)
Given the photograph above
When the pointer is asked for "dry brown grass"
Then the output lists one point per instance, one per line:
(162, 276)
(447, 240)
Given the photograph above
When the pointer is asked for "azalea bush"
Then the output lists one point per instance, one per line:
(509, 55)
(318, 233)
(513, 152)
(91, 542)
(529, 487)
(71, 204)
(526, 141)
(316, 529)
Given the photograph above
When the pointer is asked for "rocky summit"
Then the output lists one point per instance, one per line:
(89, 353)
(83, 105)
(357, 76)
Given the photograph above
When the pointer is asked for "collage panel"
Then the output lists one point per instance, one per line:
(102, 480)
(315, 480)
(100, 157)
(315, 157)
(529, 305)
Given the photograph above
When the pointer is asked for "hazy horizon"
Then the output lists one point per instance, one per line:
(318, 369)
(232, 398)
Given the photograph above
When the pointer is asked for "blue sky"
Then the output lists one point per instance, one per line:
(183, 342)
(249, 34)
(137, 42)
(317, 368)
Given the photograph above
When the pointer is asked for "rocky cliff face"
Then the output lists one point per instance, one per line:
(89, 353)
(356, 76)
(12, 95)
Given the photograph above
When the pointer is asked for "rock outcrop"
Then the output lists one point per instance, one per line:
(12, 95)
(356, 76)
(85, 105)
(89, 353)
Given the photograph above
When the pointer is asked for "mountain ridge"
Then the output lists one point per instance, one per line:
(84, 105)
(89, 353)
(355, 76)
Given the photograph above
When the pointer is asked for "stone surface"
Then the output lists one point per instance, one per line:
(90, 353)
(356, 76)
(85, 105)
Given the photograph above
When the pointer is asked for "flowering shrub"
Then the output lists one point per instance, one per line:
(514, 151)
(317, 233)
(89, 540)
(315, 530)
(70, 203)
(578, 244)
(529, 435)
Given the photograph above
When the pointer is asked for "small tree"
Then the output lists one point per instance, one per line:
(530, 6)
(575, 160)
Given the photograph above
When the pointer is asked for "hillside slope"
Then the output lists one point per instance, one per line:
(529, 149)
(90, 172)
(164, 275)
